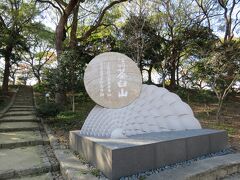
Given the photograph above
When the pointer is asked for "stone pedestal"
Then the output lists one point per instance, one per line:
(139, 153)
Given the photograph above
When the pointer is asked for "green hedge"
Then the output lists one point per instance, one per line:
(49, 110)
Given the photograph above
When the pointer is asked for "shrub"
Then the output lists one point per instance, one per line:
(49, 110)
(196, 95)
(40, 88)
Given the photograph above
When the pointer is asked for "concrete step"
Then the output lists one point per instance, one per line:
(22, 138)
(46, 176)
(235, 176)
(211, 169)
(19, 126)
(71, 167)
(19, 113)
(19, 118)
(23, 100)
(24, 161)
(27, 106)
(21, 109)
(23, 97)
(23, 103)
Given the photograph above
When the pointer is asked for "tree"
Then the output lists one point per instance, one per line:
(41, 52)
(173, 19)
(224, 60)
(65, 10)
(13, 71)
(24, 73)
(225, 71)
(16, 17)
(73, 63)
(141, 42)
(230, 24)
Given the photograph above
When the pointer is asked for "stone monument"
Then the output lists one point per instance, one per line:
(135, 127)
(112, 80)
(155, 110)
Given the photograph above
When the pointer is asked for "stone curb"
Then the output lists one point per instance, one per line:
(70, 166)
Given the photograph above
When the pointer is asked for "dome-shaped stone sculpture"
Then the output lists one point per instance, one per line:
(155, 110)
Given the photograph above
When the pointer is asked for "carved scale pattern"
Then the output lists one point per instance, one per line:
(155, 110)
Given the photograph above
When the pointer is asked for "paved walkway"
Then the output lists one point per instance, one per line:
(24, 147)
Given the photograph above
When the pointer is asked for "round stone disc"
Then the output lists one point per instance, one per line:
(112, 80)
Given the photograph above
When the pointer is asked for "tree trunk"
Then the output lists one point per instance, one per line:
(14, 80)
(73, 34)
(60, 96)
(39, 80)
(177, 71)
(37, 75)
(60, 30)
(60, 33)
(150, 74)
(163, 79)
(6, 70)
(218, 115)
(73, 103)
(173, 74)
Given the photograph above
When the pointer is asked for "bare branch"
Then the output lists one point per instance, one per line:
(236, 22)
(226, 91)
(221, 2)
(52, 4)
(91, 12)
(99, 20)
(61, 2)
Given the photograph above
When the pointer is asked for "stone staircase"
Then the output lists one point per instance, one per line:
(25, 152)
